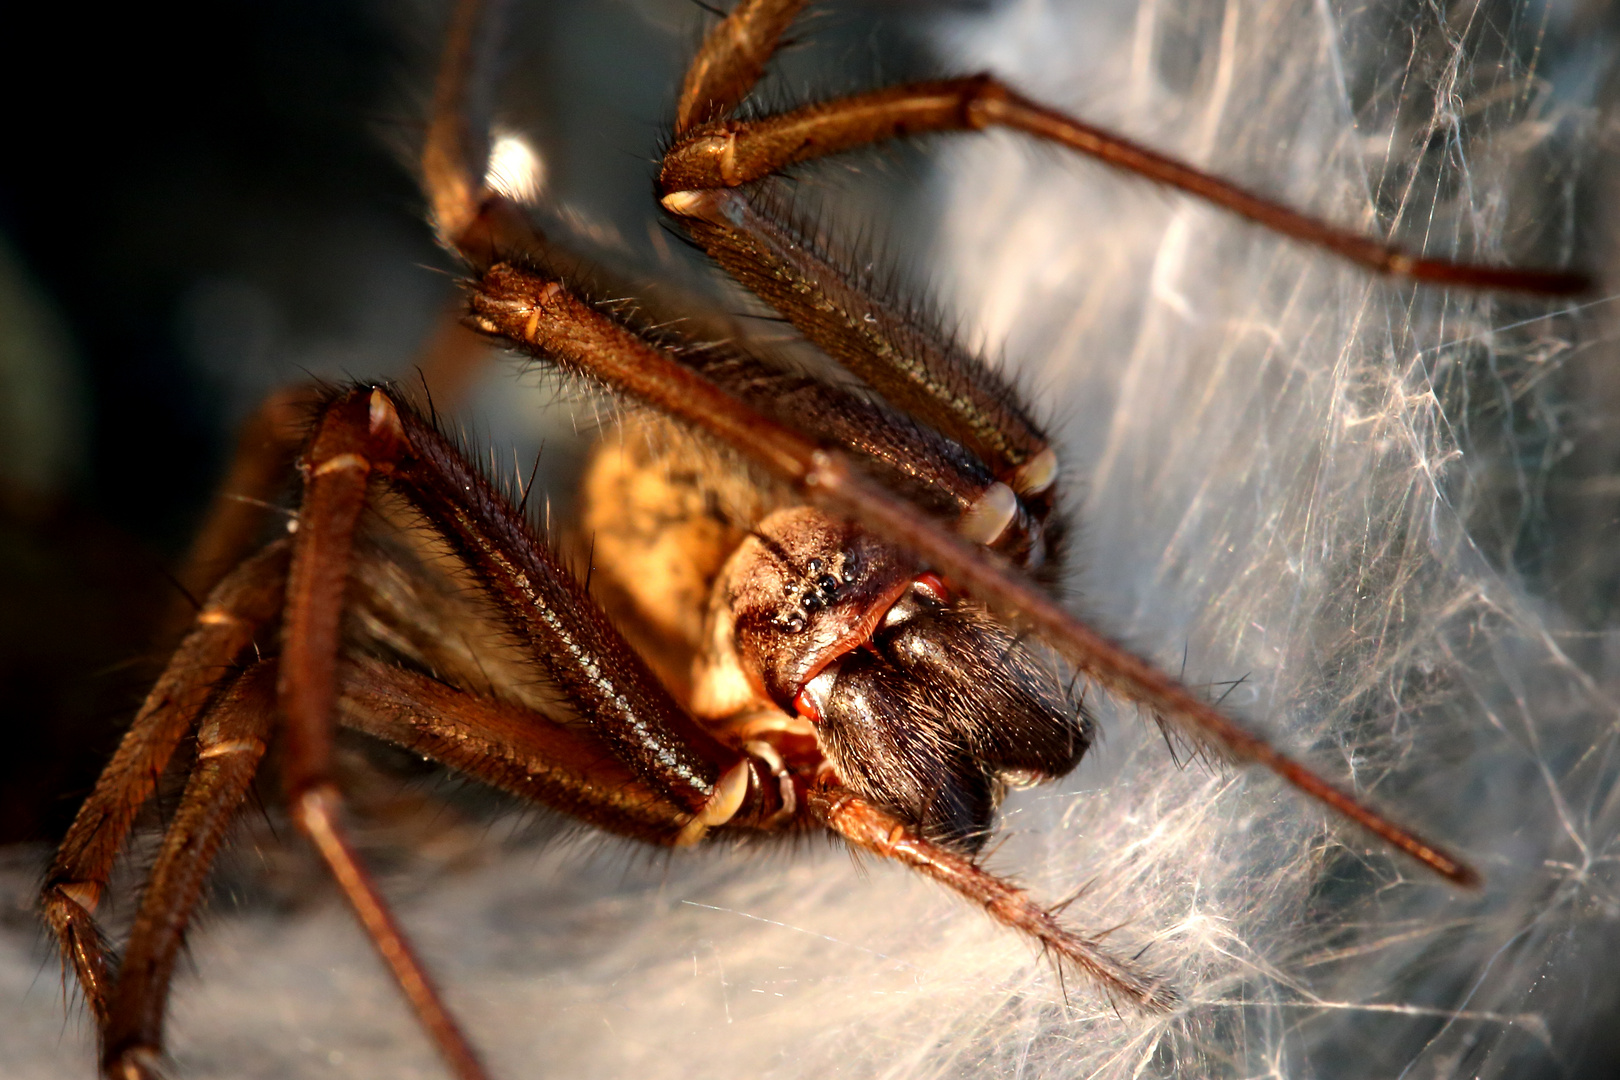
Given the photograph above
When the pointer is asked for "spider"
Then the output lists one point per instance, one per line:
(828, 595)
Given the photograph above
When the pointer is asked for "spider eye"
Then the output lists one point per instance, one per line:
(852, 567)
(792, 623)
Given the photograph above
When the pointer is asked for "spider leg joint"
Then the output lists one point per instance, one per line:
(1037, 474)
(85, 894)
(990, 514)
(712, 206)
(339, 462)
(978, 111)
(382, 418)
(721, 807)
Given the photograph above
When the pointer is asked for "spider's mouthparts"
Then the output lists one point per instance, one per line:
(940, 710)
(927, 592)
(812, 697)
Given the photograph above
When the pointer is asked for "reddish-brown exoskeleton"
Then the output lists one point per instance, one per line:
(840, 647)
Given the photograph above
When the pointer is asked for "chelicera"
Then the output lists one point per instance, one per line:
(862, 639)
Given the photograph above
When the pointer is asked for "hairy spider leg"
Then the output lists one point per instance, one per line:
(231, 740)
(362, 435)
(871, 828)
(269, 441)
(500, 744)
(353, 441)
(510, 748)
(712, 152)
(234, 525)
(905, 358)
(247, 600)
(731, 60)
(456, 148)
(549, 611)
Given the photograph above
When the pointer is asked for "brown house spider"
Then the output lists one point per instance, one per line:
(670, 781)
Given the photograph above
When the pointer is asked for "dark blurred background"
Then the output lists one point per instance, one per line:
(187, 182)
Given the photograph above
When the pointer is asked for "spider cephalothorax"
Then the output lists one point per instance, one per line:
(921, 701)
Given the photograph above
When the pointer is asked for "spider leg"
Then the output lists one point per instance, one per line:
(270, 440)
(906, 358)
(507, 747)
(470, 220)
(248, 599)
(230, 745)
(353, 441)
(870, 828)
(731, 60)
(547, 608)
(457, 144)
(360, 436)
(910, 457)
(722, 153)
(538, 314)
(255, 478)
